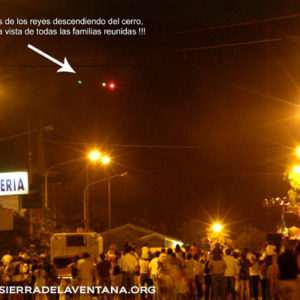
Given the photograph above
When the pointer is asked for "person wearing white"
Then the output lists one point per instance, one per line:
(86, 272)
(231, 271)
(154, 268)
(145, 252)
(129, 266)
(6, 259)
(162, 255)
(144, 272)
(128, 263)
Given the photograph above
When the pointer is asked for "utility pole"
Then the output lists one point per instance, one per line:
(109, 197)
(85, 199)
(29, 158)
(40, 167)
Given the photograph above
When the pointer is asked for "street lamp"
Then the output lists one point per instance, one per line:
(43, 128)
(216, 232)
(106, 160)
(296, 169)
(46, 184)
(217, 227)
(85, 198)
(93, 155)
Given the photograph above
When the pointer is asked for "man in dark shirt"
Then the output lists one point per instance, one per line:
(103, 273)
(288, 271)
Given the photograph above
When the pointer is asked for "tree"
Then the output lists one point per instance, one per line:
(191, 231)
(250, 237)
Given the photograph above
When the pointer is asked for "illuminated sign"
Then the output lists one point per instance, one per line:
(14, 183)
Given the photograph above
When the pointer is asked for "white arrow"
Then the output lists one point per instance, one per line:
(65, 67)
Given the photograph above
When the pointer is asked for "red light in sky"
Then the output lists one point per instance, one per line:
(111, 86)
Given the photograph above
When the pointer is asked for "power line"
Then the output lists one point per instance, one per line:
(231, 45)
(152, 146)
(274, 19)
(43, 128)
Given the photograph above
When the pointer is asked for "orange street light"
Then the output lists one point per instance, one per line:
(105, 160)
(217, 227)
(296, 169)
(94, 155)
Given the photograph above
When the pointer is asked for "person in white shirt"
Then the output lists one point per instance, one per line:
(154, 268)
(231, 272)
(129, 266)
(86, 272)
(6, 259)
(189, 273)
(145, 251)
(162, 255)
(144, 271)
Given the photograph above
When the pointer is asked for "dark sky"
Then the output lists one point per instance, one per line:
(231, 112)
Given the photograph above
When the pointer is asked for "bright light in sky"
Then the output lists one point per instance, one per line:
(112, 86)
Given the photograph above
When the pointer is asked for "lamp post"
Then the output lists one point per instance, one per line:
(109, 200)
(85, 198)
(93, 156)
(46, 185)
(106, 160)
(28, 132)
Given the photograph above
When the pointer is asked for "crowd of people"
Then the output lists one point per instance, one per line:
(222, 273)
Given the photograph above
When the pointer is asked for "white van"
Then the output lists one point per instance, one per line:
(64, 247)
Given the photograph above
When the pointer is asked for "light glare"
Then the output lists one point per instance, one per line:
(297, 169)
(94, 155)
(105, 160)
(217, 227)
(112, 85)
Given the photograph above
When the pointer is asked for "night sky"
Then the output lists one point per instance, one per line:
(204, 134)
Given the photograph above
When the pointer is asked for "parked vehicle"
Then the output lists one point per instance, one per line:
(64, 247)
